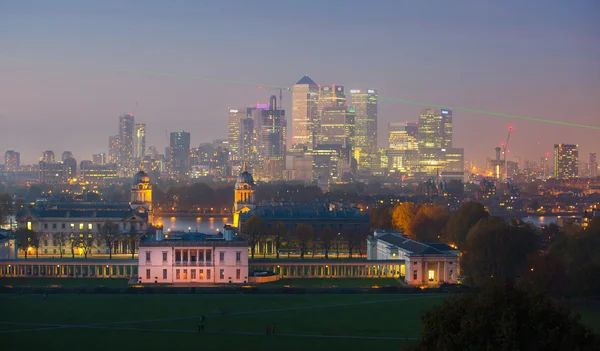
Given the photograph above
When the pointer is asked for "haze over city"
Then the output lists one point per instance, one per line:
(69, 69)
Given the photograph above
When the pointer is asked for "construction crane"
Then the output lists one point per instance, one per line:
(504, 151)
(260, 87)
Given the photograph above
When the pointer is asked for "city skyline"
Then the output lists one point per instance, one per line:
(533, 67)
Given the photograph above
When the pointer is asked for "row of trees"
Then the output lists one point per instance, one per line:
(107, 237)
(302, 238)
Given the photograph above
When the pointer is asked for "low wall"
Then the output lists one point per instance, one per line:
(264, 279)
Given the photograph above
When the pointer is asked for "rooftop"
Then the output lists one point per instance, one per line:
(194, 243)
(306, 81)
(417, 248)
(303, 211)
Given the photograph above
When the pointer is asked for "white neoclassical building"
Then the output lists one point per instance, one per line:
(193, 258)
(424, 263)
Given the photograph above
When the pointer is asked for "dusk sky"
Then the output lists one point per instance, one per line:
(68, 69)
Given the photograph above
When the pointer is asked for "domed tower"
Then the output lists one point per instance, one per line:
(244, 195)
(141, 193)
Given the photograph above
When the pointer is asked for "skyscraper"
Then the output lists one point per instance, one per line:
(66, 155)
(114, 150)
(305, 113)
(401, 136)
(99, 159)
(332, 95)
(566, 161)
(12, 161)
(337, 126)
(126, 155)
(139, 141)
(364, 103)
(48, 156)
(180, 154)
(236, 115)
(593, 165)
(435, 128)
(272, 142)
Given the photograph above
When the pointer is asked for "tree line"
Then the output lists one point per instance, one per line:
(303, 238)
(107, 237)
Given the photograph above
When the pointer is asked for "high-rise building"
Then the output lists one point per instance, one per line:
(114, 149)
(566, 161)
(305, 114)
(236, 115)
(99, 159)
(52, 173)
(402, 136)
(126, 164)
(435, 128)
(70, 168)
(332, 95)
(271, 129)
(66, 155)
(337, 126)
(247, 141)
(180, 154)
(12, 161)
(48, 156)
(364, 103)
(139, 141)
(593, 165)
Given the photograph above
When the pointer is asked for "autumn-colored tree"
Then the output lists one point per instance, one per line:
(403, 215)
(304, 236)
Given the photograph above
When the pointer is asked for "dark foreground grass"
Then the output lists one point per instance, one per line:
(64, 282)
(152, 322)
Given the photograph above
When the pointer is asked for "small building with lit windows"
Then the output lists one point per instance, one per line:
(424, 263)
(193, 258)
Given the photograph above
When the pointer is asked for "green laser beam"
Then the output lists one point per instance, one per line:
(220, 80)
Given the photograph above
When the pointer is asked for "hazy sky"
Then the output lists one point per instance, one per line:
(68, 69)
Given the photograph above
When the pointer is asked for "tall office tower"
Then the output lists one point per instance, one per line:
(247, 141)
(271, 128)
(401, 136)
(435, 129)
(139, 141)
(180, 154)
(12, 161)
(337, 126)
(70, 168)
(566, 161)
(402, 154)
(332, 95)
(52, 172)
(48, 156)
(114, 149)
(593, 165)
(305, 114)
(99, 159)
(545, 166)
(364, 103)
(65, 155)
(126, 164)
(236, 115)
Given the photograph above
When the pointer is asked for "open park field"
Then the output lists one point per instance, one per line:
(153, 322)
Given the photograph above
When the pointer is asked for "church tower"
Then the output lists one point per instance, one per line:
(244, 195)
(141, 194)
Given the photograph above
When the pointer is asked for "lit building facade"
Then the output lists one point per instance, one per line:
(364, 103)
(424, 263)
(337, 126)
(193, 259)
(244, 200)
(48, 156)
(272, 130)
(566, 161)
(593, 165)
(236, 116)
(114, 149)
(305, 113)
(97, 174)
(12, 161)
(99, 159)
(180, 154)
(139, 141)
(435, 129)
(65, 155)
(126, 159)
(401, 136)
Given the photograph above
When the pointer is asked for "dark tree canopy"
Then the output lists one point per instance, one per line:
(461, 221)
(429, 222)
(496, 250)
(253, 230)
(504, 318)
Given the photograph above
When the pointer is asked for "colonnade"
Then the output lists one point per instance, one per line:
(60, 269)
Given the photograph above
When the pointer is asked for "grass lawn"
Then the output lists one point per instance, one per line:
(328, 283)
(64, 282)
(152, 322)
